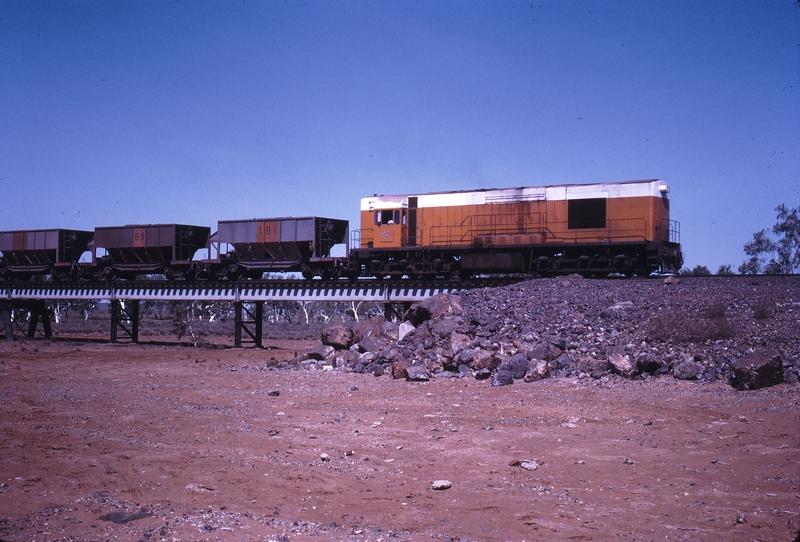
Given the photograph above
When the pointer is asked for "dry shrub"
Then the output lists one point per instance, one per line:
(763, 309)
(679, 326)
(716, 309)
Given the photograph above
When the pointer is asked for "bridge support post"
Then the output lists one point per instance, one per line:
(125, 319)
(394, 311)
(6, 309)
(251, 322)
(38, 309)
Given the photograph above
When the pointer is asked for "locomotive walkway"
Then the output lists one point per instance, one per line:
(248, 298)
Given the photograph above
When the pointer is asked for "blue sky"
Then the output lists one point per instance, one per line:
(115, 112)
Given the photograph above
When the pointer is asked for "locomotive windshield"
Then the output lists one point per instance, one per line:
(389, 216)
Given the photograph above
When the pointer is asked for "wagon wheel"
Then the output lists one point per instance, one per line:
(108, 274)
(307, 272)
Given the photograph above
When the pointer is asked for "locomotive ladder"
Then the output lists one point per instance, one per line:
(248, 298)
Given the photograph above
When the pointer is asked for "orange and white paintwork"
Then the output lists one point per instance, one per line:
(633, 210)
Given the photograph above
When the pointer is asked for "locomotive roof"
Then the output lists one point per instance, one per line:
(650, 187)
(280, 218)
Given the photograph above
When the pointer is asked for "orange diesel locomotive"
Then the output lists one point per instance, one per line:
(593, 229)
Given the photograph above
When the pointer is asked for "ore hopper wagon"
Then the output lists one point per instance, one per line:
(250, 248)
(148, 249)
(53, 252)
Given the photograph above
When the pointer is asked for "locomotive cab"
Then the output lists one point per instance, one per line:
(384, 222)
(391, 228)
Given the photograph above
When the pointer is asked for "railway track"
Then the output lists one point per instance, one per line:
(244, 291)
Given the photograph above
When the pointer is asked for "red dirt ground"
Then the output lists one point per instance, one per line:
(193, 439)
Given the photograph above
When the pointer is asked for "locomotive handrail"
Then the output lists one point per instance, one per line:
(493, 224)
(674, 229)
(611, 231)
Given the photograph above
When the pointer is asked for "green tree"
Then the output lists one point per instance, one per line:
(698, 271)
(725, 270)
(779, 256)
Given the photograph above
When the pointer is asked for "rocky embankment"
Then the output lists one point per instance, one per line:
(743, 330)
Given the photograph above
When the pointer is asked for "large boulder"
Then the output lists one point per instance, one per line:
(322, 353)
(417, 373)
(649, 363)
(443, 327)
(338, 336)
(435, 307)
(399, 370)
(596, 367)
(404, 329)
(539, 351)
(760, 369)
(390, 330)
(538, 369)
(417, 314)
(369, 328)
(371, 343)
(621, 364)
(517, 365)
(484, 359)
(687, 369)
(457, 342)
(502, 378)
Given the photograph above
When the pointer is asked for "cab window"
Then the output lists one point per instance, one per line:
(586, 213)
(387, 217)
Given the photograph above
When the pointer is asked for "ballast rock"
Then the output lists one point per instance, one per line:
(696, 328)
(760, 369)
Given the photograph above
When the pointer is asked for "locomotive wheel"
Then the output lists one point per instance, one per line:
(108, 274)
(233, 272)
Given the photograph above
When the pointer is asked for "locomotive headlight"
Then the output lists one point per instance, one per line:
(664, 189)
